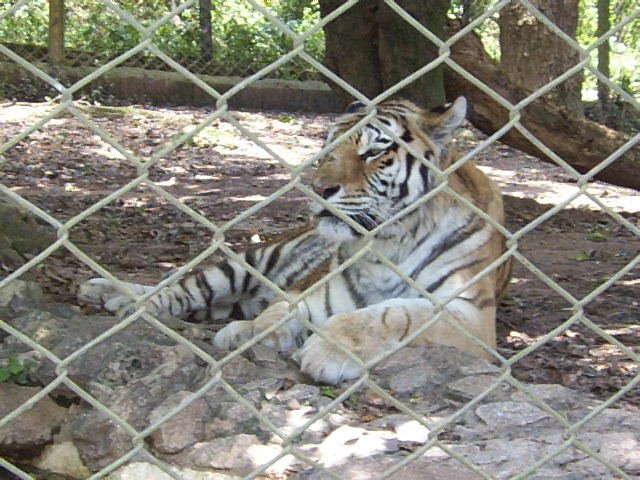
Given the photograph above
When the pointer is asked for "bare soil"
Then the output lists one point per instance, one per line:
(66, 167)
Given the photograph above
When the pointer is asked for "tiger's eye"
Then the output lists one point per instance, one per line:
(372, 154)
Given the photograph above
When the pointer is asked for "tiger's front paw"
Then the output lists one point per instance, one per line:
(240, 332)
(102, 293)
(97, 292)
(326, 362)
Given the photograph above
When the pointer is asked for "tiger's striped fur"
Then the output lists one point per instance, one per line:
(371, 177)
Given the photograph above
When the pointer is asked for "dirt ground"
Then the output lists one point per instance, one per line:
(65, 167)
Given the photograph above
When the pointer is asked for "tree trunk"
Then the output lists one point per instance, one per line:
(581, 143)
(56, 31)
(373, 48)
(351, 47)
(206, 43)
(604, 24)
(532, 55)
(403, 50)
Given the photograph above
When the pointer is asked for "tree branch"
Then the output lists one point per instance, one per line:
(581, 143)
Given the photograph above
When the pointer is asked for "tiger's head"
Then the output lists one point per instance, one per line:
(372, 175)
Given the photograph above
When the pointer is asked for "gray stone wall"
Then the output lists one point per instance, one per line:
(171, 88)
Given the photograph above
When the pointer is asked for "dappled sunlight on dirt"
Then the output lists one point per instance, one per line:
(218, 174)
(525, 176)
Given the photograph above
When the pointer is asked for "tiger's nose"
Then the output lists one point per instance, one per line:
(324, 190)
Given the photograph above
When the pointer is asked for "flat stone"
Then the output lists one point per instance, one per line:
(411, 379)
(237, 452)
(613, 419)
(148, 471)
(480, 366)
(373, 467)
(510, 414)
(622, 449)
(470, 387)
(261, 354)
(347, 442)
(406, 428)
(301, 393)
(556, 396)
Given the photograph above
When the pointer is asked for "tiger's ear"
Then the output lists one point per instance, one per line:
(354, 107)
(441, 127)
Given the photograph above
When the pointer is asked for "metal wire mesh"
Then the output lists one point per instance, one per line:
(142, 45)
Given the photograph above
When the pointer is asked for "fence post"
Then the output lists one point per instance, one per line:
(56, 31)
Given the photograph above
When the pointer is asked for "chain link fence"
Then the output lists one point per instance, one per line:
(147, 51)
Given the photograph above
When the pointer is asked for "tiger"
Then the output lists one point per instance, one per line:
(417, 282)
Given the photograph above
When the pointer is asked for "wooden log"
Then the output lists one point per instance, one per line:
(581, 143)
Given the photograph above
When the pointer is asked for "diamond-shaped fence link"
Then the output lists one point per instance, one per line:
(168, 36)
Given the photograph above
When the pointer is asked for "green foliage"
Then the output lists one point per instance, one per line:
(596, 237)
(625, 54)
(329, 392)
(27, 26)
(582, 257)
(12, 370)
(244, 40)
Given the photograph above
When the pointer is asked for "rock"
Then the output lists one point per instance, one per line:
(556, 396)
(407, 429)
(301, 393)
(412, 432)
(240, 370)
(9, 258)
(263, 355)
(266, 387)
(503, 458)
(28, 433)
(141, 375)
(235, 452)
(148, 471)
(479, 367)
(118, 361)
(510, 414)
(20, 293)
(347, 443)
(468, 388)
(25, 232)
(424, 370)
(99, 440)
(62, 458)
(183, 429)
(373, 467)
(621, 449)
(412, 379)
(613, 419)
